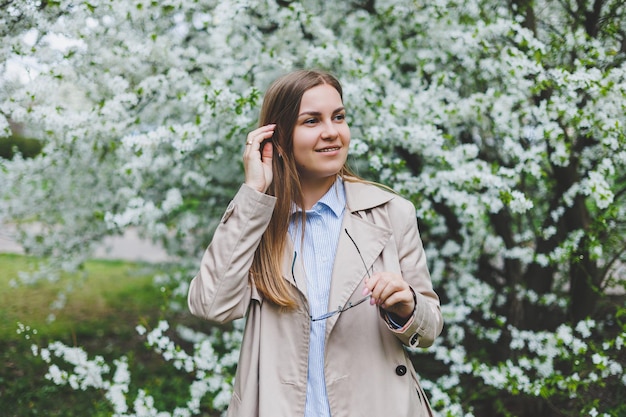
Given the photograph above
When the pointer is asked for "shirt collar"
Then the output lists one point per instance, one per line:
(334, 199)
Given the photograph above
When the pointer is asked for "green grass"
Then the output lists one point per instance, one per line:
(105, 294)
(108, 299)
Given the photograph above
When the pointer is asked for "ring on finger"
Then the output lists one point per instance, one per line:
(249, 142)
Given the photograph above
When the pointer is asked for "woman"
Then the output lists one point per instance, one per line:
(328, 269)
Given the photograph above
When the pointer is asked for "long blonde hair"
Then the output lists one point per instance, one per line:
(280, 106)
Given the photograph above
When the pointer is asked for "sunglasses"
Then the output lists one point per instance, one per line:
(350, 304)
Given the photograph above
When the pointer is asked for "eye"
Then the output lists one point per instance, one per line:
(310, 121)
(340, 117)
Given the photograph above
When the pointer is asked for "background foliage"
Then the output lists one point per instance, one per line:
(502, 121)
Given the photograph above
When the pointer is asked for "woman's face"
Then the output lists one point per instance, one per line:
(321, 135)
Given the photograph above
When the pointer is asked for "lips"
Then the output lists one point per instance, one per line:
(330, 149)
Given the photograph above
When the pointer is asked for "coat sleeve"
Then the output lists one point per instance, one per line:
(222, 290)
(427, 321)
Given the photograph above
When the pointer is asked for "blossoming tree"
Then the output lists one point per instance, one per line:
(504, 122)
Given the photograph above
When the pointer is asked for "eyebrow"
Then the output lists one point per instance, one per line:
(316, 113)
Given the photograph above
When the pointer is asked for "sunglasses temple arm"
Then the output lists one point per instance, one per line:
(359, 252)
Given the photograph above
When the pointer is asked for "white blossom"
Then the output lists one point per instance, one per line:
(143, 109)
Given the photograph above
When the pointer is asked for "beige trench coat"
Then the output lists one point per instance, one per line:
(368, 372)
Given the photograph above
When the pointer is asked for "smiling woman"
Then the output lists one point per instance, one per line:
(300, 248)
(321, 138)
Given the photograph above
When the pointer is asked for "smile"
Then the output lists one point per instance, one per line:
(329, 149)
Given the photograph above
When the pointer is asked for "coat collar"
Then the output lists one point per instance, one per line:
(364, 196)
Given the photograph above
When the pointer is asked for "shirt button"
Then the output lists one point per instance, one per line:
(400, 370)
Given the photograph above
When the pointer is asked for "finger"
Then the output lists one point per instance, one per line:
(254, 138)
(377, 284)
(397, 301)
(401, 306)
(392, 288)
(386, 285)
(370, 283)
(267, 152)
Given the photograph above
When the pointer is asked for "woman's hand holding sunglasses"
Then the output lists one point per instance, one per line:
(390, 292)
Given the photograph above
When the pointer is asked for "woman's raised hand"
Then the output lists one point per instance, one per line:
(257, 162)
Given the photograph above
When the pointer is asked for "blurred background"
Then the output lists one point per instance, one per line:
(122, 126)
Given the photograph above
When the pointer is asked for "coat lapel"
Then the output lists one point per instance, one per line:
(349, 270)
(293, 270)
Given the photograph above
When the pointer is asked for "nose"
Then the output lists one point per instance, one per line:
(330, 131)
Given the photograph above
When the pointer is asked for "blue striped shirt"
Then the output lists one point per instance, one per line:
(317, 251)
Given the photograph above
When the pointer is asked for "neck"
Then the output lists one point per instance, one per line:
(312, 191)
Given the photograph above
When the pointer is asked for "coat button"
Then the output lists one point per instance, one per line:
(400, 370)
